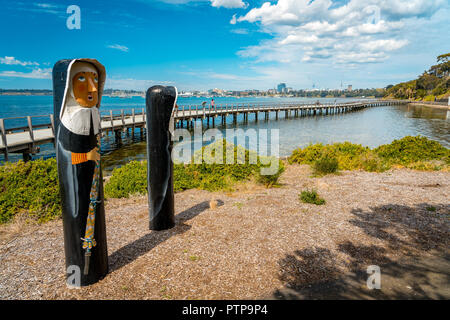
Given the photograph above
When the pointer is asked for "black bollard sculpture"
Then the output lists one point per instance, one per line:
(160, 102)
(77, 91)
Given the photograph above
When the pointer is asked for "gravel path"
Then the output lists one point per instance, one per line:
(256, 242)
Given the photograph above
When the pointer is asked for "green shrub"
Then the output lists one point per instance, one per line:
(429, 98)
(438, 91)
(311, 196)
(413, 152)
(412, 149)
(326, 164)
(428, 166)
(127, 180)
(372, 163)
(30, 187)
(347, 154)
(270, 180)
(307, 155)
(132, 178)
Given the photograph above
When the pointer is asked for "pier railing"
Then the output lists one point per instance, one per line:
(26, 139)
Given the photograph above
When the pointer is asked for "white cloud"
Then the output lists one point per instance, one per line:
(57, 9)
(35, 74)
(229, 4)
(239, 31)
(118, 47)
(359, 31)
(383, 45)
(13, 61)
(45, 5)
(233, 19)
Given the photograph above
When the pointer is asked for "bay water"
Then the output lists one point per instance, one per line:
(369, 127)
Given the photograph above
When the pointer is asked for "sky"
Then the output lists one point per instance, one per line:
(227, 44)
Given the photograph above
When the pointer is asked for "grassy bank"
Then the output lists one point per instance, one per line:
(417, 153)
(32, 188)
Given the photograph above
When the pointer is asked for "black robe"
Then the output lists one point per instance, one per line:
(75, 183)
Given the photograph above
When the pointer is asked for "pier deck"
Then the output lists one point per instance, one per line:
(26, 139)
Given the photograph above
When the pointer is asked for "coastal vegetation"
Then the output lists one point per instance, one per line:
(312, 197)
(432, 84)
(31, 188)
(132, 178)
(326, 164)
(411, 152)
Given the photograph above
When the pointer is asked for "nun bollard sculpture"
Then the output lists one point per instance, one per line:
(77, 91)
(160, 102)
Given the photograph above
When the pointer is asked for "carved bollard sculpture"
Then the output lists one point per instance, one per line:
(77, 91)
(160, 102)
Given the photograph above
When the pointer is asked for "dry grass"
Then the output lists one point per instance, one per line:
(244, 244)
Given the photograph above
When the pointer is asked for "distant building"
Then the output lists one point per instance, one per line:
(350, 87)
(281, 88)
(216, 92)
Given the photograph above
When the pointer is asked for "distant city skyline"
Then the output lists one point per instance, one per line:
(228, 44)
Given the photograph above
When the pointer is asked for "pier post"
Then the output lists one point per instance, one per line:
(26, 156)
(3, 133)
(118, 137)
(160, 102)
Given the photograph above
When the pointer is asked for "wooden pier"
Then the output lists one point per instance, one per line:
(27, 139)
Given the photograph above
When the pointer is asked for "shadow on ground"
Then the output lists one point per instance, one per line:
(419, 234)
(141, 246)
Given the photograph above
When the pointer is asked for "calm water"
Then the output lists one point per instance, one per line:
(370, 127)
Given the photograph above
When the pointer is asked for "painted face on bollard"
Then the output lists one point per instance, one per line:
(85, 89)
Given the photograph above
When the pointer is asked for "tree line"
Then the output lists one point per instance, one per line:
(433, 84)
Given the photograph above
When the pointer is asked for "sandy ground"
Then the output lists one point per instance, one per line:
(257, 243)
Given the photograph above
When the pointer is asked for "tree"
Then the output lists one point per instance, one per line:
(442, 69)
(443, 58)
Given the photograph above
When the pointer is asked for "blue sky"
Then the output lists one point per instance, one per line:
(228, 44)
